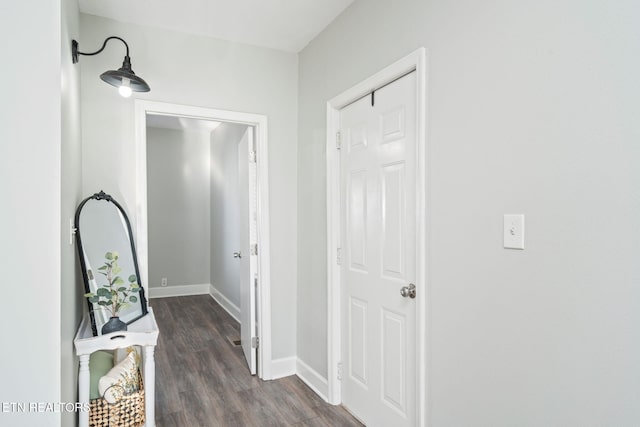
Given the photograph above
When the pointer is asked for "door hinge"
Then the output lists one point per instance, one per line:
(339, 256)
(339, 371)
(255, 342)
(338, 140)
(254, 249)
(253, 157)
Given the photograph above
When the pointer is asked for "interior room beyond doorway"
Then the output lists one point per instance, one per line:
(200, 219)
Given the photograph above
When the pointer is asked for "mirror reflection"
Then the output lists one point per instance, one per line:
(109, 265)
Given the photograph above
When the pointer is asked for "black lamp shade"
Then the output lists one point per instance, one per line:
(115, 77)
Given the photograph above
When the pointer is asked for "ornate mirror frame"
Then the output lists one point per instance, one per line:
(142, 301)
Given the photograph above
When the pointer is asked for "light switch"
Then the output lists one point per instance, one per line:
(514, 231)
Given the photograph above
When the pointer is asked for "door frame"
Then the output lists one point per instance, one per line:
(415, 61)
(259, 122)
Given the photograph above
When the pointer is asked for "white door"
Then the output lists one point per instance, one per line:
(378, 227)
(248, 261)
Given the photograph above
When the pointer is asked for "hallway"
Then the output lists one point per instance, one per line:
(202, 378)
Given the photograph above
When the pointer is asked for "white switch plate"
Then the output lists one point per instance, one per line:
(514, 231)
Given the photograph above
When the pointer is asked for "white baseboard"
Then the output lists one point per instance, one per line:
(230, 307)
(283, 367)
(313, 379)
(178, 290)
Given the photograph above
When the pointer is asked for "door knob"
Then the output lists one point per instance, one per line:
(237, 255)
(408, 291)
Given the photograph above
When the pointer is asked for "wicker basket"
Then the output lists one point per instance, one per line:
(127, 412)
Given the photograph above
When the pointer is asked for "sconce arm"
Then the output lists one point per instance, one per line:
(75, 52)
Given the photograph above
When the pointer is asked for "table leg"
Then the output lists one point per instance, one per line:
(83, 390)
(150, 385)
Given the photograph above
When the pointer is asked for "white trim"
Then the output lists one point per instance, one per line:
(231, 308)
(313, 379)
(178, 290)
(334, 336)
(263, 299)
(284, 367)
(417, 60)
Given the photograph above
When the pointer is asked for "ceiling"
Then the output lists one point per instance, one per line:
(287, 25)
(180, 123)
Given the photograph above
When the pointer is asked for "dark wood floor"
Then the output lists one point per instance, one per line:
(202, 378)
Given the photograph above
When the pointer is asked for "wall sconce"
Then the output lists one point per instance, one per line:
(123, 78)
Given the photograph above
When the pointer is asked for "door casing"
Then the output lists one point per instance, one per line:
(417, 61)
(259, 122)
(247, 209)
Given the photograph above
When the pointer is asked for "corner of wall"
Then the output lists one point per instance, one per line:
(71, 302)
(313, 379)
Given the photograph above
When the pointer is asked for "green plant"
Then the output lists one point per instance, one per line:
(115, 295)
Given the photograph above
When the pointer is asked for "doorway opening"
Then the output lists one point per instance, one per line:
(242, 138)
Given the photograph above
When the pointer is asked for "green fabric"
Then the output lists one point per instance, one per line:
(100, 363)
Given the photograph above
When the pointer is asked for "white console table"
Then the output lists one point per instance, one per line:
(143, 332)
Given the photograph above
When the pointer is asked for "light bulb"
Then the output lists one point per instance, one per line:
(125, 88)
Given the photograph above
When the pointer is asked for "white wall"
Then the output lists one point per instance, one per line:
(30, 157)
(72, 303)
(533, 109)
(200, 71)
(225, 221)
(193, 213)
(178, 197)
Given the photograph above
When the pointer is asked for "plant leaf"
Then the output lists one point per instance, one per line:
(104, 292)
(104, 303)
(133, 299)
(122, 289)
(118, 281)
(108, 256)
(133, 278)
